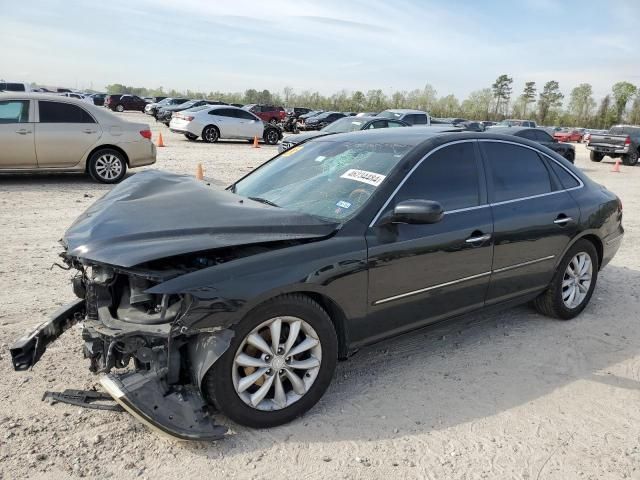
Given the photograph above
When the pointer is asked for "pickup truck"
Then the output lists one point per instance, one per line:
(621, 141)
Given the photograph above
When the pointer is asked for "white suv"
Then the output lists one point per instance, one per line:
(222, 121)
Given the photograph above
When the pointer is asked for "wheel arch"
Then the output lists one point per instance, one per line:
(105, 147)
(337, 316)
(590, 237)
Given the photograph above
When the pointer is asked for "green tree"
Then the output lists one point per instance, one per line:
(478, 105)
(549, 98)
(581, 103)
(603, 117)
(358, 101)
(634, 114)
(622, 93)
(528, 96)
(502, 92)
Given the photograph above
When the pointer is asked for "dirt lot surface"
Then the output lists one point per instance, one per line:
(499, 396)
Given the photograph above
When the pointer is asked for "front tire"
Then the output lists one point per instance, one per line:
(572, 284)
(191, 137)
(273, 121)
(595, 156)
(210, 134)
(262, 382)
(630, 159)
(107, 166)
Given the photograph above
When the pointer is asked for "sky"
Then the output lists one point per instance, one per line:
(325, 46)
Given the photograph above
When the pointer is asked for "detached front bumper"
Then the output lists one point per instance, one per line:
(27, 350)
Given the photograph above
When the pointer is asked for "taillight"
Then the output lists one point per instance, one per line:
(587, 137)
(146, 134)
(627, 141)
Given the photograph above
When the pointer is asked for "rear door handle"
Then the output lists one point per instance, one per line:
(88, 130)
(479, 238)
(562, 220)
(23, 131)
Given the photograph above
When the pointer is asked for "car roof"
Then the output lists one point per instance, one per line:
(404, 110)
(513, 130)
(403, 136)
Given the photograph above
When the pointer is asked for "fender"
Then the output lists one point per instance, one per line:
(223, 294)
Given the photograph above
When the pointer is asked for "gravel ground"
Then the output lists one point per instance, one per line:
(506, 395)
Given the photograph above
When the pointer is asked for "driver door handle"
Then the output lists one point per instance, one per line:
(88, 130)
(479, 238)
(562, 220)
(23, 131)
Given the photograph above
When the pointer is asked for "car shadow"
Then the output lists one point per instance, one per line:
(460, 371)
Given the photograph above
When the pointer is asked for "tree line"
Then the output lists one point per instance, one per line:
(546, 105)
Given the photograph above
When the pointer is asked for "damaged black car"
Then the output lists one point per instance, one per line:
(196, 301)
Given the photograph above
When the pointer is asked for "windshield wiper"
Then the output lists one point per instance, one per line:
(264, 200)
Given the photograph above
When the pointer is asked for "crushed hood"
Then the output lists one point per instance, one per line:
(155, 214)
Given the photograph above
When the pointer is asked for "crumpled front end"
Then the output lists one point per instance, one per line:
(150, 360)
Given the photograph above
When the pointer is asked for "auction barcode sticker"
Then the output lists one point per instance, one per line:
(363, 176)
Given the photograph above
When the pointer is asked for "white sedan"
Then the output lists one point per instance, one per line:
(222, 121)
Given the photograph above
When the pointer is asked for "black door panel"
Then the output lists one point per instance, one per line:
(527, 243)
(431, 270)
(422, 273)
(534, 219)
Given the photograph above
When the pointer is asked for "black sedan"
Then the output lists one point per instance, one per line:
(343, 125)
(245, 298)
(322, 120)
(541, 136)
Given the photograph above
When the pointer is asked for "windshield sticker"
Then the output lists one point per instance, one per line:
(291, 151)
(343, 204)
(370, 178)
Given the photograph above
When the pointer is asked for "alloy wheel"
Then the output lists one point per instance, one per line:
(277, 363)
(577, 280)
(108, 166)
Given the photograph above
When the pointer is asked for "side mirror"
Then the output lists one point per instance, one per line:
(415, 212)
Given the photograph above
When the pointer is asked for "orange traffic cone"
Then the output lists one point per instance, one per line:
(199, 172)
(616, 167)
(160, 142)
(255, 142)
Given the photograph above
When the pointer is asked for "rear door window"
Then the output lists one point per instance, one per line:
(58, 112)
(515, 172)
(14, 111)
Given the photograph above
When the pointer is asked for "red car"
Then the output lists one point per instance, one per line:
(267, 113)
(120, 103)
(568, 136)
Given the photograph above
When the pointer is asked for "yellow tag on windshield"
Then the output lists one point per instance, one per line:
(291, 151)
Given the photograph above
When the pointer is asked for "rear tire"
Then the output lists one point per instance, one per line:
(273, 121)
(271, 137)
(595, 156)
(107, 166)
(120, 108)
(219, 384)
(630, 159)
(552, 302)
(210, 134)
(571, 156)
